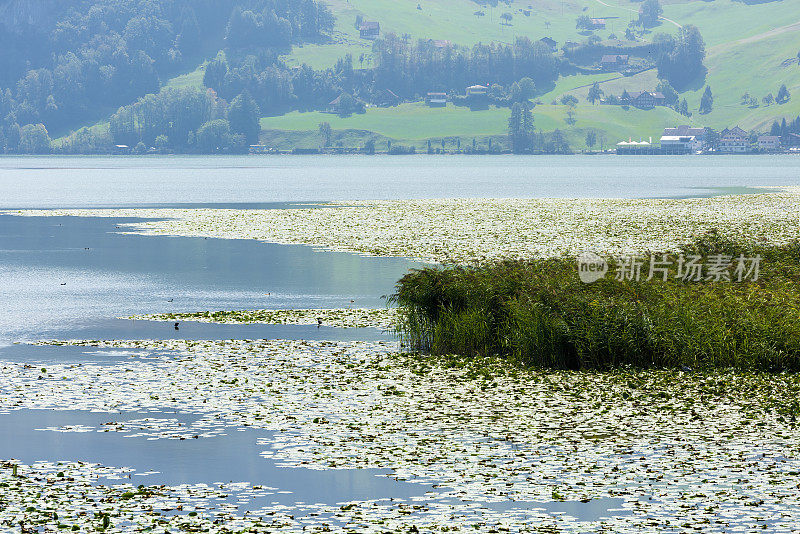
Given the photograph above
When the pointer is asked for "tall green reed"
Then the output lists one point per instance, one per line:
(539, 313)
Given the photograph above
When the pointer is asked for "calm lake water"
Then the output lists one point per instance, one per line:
(124, 181)
(107, 275)
(71, 278)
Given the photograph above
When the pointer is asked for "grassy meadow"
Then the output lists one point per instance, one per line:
(726, 21)
(188, 80)
(455, 21)
(415, 123)
(770, 60)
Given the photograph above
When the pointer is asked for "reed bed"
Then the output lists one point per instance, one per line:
(538, 313)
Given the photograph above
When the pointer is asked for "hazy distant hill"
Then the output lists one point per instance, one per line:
(72, 63)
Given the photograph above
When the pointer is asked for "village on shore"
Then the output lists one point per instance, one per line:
(685, 139)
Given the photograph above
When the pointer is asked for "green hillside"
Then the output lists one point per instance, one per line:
(455, 21)
(750, 48)
(757, 65)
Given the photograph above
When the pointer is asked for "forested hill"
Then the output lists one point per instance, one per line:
(66, 62)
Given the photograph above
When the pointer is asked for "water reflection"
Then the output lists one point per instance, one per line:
(107, 275)
(232, 457)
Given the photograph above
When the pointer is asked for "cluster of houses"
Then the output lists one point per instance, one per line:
(691, 140)
(597, 24)
(638, 99)
(473, 94)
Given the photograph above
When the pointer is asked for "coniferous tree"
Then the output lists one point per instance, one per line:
(521, 128)
(684, 108)
(591, 138)
(706, 101)
(528, 126)
(515, 128)
(188, 39)
(595, 93)
(215, 73)
(326, 132)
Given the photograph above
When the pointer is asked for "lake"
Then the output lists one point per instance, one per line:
(151, 180)
(73, 278)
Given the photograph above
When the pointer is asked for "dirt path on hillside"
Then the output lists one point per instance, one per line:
(770, 33)
(795, 26)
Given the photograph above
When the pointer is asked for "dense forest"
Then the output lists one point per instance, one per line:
(84, 58)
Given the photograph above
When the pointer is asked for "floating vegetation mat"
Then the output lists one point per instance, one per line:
(476, 230)
(716, 452)
(383, 318)
(67, 497)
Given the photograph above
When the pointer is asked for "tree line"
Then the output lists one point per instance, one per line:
(407, 69)
(784, 129)
(168, 119)
(411, 69)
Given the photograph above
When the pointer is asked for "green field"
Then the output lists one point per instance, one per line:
(323, 56)
(770, 60)
(415, 123)
(725, 21)
(406, 121)
(192, 79)
(455, 21)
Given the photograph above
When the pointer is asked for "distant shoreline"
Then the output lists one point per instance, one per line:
(378, 154)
